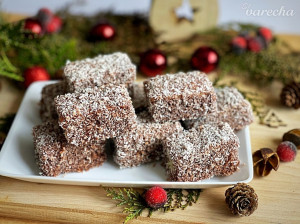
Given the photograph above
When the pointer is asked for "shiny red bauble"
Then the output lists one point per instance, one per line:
(266, 33)
(35, 73)
(33, 26)
(44, 16)
(239, 44)
(255, 44)
(153, 62)
(54, 25)
(205, 59)
(103, 31)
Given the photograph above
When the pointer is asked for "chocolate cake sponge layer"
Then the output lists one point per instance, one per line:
(47, 105)
(113, 68)
(55, 156)
(200, 154)
(142, 144)
(232, 108)
(95, 114)
(180, 96)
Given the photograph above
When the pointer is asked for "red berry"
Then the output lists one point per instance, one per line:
(265, 33)
(35, 73)
(54, 25)
(254, 44)
(156, 197)
(287, 151)
(153, 62)
(103, 31)
(33, 26)
(44, 16)
(239, 41)
(205, 59)
(239, 44)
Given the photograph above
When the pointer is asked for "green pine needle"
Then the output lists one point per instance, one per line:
(7, 69)
(134, 203)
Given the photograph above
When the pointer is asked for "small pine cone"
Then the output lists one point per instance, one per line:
(241, 199)
(290, 95)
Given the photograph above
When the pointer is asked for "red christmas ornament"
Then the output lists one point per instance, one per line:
(255, 44)
(265, 33)
(33, 26)
(156, 197)
(205, 59)
(103, 31)
(44, 16)
(54, 25)
(239, 44)
(153, 62)
(35, 73)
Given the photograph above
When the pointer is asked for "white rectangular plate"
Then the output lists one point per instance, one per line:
(17, 158)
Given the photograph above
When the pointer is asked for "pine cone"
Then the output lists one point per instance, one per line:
(241, 199)
(290, 95)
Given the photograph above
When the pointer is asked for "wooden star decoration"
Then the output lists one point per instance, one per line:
(185, 11)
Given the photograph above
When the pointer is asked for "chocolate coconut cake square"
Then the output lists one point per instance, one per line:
(55, 156)
(95, 115)
(198, 154)
(47, 106)
(180, 96)
(113, 68)
(142, 144)
(232, 108)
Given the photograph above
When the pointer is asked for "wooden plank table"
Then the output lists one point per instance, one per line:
(279, 193)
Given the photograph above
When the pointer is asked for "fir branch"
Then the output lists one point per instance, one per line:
(13, 35)
(135, 204)
(7, 69)
(179, 198)
(51, 52)
(131, 199)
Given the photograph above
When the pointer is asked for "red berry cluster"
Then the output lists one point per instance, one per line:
(254, 43)
(156, 197)
(44, 22)
(287, 151)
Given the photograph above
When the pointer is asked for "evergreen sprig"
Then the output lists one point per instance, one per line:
(50, 51)
(7, 69)
(131, 199)
(12, 35)
(180, 198)
(134, 203)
